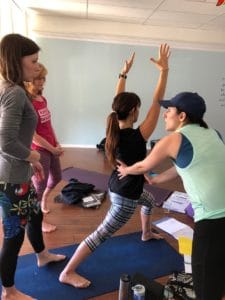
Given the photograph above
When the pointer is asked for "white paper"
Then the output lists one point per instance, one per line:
(170, 225)
(187, 232)
(174, 227)
(187, 259)
(187, 264)
(177, 201)
(187, 268)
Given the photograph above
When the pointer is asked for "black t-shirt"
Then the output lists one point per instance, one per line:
(131, 149)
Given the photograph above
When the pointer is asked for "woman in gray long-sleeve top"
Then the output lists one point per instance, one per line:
(18, 200)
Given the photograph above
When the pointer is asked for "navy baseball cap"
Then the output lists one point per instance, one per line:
(190, 103)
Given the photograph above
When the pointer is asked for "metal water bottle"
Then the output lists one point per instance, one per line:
(138, 292)
(124, 289)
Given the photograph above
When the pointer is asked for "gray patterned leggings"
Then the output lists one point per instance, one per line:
(119, 213)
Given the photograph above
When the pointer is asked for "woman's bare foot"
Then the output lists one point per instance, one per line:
(151, 235)
(74, 279)
(46, 227)
(11, 293)
(44, 208)
(45, 257)
(45, 211)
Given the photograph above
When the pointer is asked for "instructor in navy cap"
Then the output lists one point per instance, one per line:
(198, 156)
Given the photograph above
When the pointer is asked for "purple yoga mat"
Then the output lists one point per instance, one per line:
(100, 182)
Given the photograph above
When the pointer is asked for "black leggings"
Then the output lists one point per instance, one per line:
(20, 211)
(208, 259)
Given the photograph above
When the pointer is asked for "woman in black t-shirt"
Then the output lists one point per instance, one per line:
(128, 144)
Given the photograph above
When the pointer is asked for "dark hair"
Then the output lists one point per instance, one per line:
(194, 120)
(12, 48)
(122, 105)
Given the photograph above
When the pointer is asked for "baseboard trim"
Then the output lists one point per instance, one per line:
(77, 146)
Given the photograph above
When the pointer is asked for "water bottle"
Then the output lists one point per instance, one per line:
(138, 292)
(124, 289)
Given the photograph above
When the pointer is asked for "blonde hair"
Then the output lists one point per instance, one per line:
(43, 71)
(30, 85)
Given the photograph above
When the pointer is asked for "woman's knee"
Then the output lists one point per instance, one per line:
(53, 183)
(147, 211)
(39, 186)
(36, 217)
(13, 226)
(12, 244)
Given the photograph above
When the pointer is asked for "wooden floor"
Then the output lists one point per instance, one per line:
(75, 223)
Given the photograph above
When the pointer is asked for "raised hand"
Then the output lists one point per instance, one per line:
(121, 83)
(164, 54)
(128, 64)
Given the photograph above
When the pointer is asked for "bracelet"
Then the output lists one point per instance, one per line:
(123, 76)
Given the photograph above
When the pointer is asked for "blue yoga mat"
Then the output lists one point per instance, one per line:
(121, 254)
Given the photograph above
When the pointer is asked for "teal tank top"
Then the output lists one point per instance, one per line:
(204, 176)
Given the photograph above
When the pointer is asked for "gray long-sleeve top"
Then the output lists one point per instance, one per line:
(18, 121)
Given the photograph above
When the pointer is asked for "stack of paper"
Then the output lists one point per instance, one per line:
(183, 233)
(177, 201)
(174, 227)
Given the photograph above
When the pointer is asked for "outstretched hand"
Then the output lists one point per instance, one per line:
(164, 54)
(148, 179)
(121, 169)
(128, 64)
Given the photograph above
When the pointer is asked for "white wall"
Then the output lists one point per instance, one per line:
(12, 18)
(82, 78)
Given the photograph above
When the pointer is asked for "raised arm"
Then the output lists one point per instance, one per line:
(121, 84)
(149, 124)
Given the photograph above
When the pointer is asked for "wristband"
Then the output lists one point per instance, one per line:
(123, 76)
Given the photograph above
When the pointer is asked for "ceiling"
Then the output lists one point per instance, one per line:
(184, 23)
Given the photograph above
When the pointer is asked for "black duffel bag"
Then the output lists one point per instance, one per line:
(75, 190)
